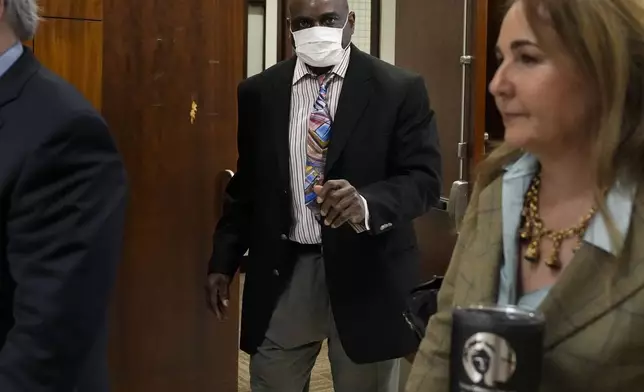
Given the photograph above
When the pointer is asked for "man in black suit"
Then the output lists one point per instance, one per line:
(328, 226)
(62, 197)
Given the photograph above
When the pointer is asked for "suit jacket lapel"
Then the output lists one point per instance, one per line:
(13, 80)
(280, 103)
(482, 255)
(355, 95)
(595, 283)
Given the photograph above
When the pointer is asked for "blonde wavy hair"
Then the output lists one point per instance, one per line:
(605, 39)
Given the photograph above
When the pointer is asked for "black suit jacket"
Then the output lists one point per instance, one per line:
(62, 197)
(384, 142)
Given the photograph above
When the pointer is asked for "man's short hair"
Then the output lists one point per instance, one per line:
(22, 17)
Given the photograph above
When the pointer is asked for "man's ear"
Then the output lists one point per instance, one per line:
(352, 21)
(290, 32)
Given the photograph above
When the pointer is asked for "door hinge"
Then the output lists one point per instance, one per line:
(462, 150)
(466, 59)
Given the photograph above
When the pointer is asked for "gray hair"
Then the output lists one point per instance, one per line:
(22, 17)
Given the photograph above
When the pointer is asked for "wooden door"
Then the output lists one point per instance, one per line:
(429, 40)
(69, 41)
(74, 9)
(446, 42)
(170, 74)
(73, 48)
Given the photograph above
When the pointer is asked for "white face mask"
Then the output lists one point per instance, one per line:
(319, 46)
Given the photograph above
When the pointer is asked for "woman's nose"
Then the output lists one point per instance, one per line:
(498, 84)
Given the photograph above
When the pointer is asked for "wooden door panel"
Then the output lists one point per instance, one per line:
(429, 40)
(74, 50)
(77, 9)
(159, 61)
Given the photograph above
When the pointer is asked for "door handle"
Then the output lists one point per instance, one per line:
(457, 204)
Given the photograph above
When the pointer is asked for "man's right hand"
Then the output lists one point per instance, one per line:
(217, 294)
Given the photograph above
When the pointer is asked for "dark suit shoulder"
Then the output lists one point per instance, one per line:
(281, 70)
(47, 103)
(283, 67)
(58, 97)
(47, 107)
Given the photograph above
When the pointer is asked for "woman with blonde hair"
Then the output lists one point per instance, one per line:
(556, 219)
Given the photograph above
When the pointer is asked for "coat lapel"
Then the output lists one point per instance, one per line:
(13, 80)
(355, 95)
(482, 255)
(595, 283)
(280, 103)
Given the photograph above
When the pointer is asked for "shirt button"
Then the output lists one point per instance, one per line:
(276, 272)
(284, 237)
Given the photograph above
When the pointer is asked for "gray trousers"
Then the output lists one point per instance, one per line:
(301, 321)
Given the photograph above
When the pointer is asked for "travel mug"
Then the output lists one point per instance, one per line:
(496, 348)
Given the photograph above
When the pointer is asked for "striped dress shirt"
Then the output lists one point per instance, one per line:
(306, 229)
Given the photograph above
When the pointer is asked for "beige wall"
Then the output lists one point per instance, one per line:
(388, 31)
(255, 45)
(271, 32)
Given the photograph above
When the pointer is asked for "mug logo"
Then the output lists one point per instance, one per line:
(488, 359)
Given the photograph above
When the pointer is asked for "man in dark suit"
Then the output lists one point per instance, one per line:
(338, 153)
(62, 197)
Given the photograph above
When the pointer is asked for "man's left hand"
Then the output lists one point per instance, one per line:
(339, 203)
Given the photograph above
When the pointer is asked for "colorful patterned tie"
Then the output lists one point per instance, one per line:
(317, 143)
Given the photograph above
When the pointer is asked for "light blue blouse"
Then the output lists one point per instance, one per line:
(8, 58)
(516, 180)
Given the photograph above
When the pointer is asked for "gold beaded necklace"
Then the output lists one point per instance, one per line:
(532, 230)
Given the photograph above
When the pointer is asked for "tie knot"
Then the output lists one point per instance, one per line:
(324, 79)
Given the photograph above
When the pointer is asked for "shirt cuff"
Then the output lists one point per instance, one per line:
(364, 226)
(366, 212)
